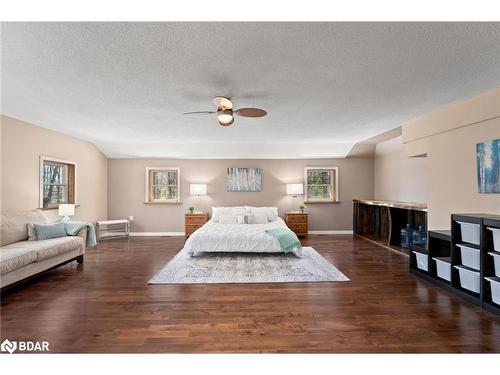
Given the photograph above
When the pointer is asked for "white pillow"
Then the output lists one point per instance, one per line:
(257, 219)
(242, 219)
(228, 219)
(217, 211)
(239, 211)
(271, 212)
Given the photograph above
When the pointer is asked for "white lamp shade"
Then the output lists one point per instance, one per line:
(66, 209)
(294, 189)
(198, 189)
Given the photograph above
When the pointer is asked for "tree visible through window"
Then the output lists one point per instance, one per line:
(162, 185)
(57, 183)
(321, 184)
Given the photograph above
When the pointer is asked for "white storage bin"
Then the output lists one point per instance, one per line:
(470, 232)
(496, 238)
(470, 257)
(443, 268)
(496, 260)
(495, 288)
(468, 279)
(422, 261)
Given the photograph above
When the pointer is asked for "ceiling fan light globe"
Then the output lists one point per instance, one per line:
(226, 120)
(225, 117)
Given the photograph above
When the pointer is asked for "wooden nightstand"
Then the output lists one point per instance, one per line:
(298, 222)
(193, 222)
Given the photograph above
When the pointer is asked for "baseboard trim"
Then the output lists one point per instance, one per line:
(156, 234)
(330, 232)
(174, 234)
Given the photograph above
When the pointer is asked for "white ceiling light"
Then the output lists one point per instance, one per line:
(226, 117)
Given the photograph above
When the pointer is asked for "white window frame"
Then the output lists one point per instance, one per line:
(335, 185)
(44, 159)
(147, 193)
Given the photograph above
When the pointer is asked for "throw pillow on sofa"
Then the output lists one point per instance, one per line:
(31, 232)
(53, 230)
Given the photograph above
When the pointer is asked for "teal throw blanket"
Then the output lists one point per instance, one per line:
(288, 240)
(73, 227)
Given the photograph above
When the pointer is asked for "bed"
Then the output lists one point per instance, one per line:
(218, 236)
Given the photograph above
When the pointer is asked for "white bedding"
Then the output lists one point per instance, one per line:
(249, 238)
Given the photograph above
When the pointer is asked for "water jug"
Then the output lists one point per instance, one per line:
(420, 236)
(406, 237)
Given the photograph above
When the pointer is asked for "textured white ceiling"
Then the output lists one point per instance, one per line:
(326, 86)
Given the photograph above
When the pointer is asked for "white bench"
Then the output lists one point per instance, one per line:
(112, 228)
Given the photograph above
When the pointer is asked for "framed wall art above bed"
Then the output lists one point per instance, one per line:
(244, 179)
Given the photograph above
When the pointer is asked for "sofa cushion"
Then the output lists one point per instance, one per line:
(42, 249)
(56, 246)
(13, 225)
(15, 258)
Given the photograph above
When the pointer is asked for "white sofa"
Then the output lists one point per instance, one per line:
(21, 258)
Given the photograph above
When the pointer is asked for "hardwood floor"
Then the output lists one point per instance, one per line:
(106, 305)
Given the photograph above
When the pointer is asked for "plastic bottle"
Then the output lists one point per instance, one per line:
(406, 235)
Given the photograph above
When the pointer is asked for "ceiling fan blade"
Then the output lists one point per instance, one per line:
(250, 112)
(200, 112)
(223, 102)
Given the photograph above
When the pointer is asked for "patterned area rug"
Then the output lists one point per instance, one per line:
(247, 268)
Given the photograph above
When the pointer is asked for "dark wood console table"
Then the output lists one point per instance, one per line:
(381, 221)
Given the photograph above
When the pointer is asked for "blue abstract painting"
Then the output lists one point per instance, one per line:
(488, 166)
(244, 179)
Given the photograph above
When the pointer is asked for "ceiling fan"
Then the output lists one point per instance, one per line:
(225, 112)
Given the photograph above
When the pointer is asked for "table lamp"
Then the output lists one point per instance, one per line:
(66, 210)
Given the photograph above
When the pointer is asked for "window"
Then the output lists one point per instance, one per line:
(162, 185)
(321, 184)
(57, 182)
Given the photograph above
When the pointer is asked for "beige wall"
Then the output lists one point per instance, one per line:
(398, 177)
(22, 146)
(126, 184)
(448, 137)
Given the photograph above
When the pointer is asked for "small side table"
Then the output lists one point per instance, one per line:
(194, 221)
(112, 229)
(298, 222)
